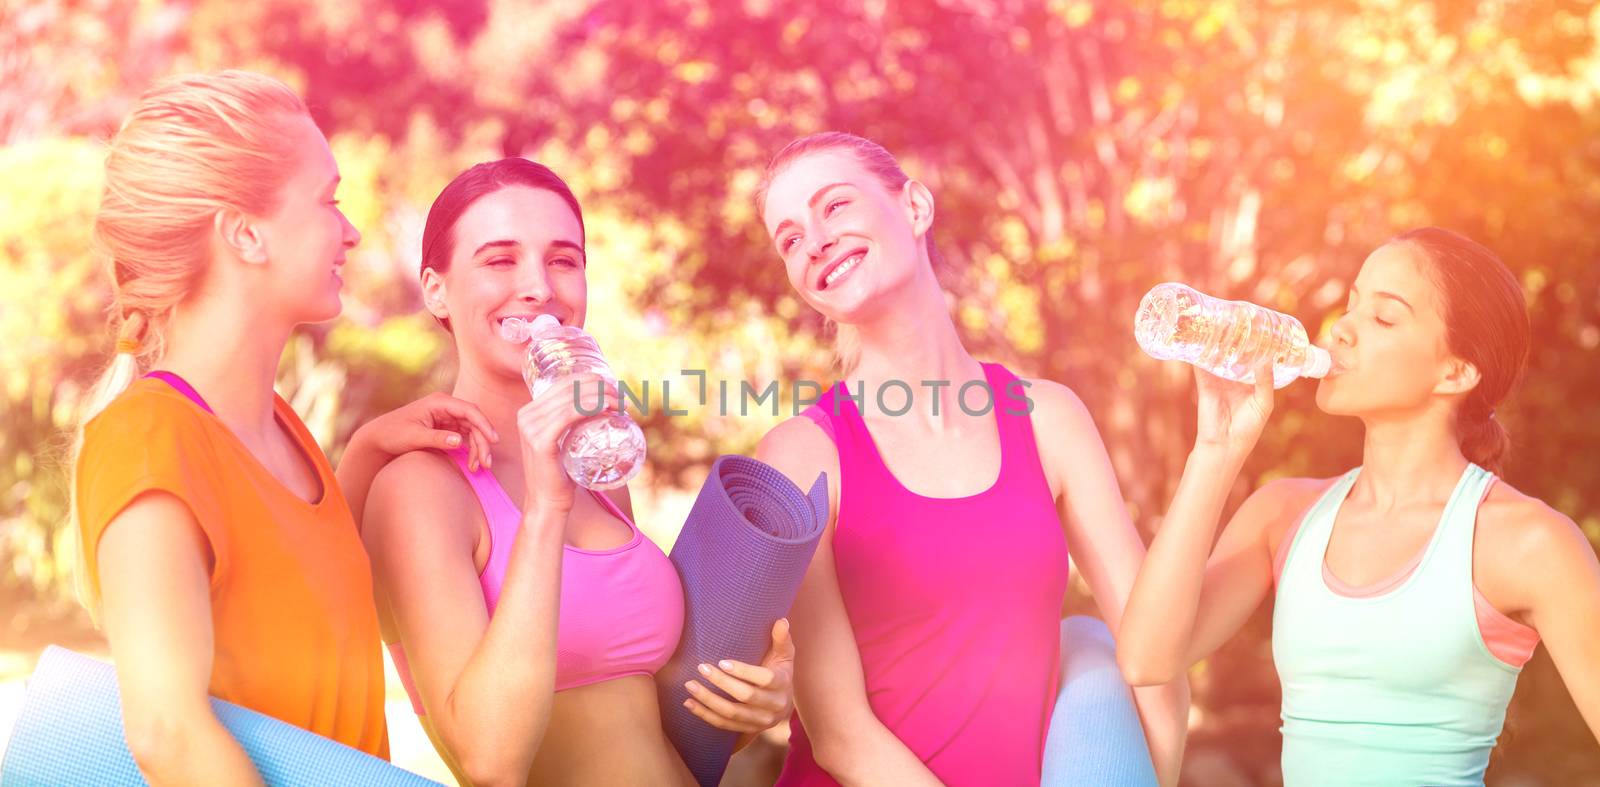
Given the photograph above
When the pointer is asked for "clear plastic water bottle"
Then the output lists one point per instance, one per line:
(1226, 338)
(601, 452)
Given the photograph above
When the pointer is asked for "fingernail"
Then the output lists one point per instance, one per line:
(725, 664)
(453, 440)
(705, 669)
(688, 704)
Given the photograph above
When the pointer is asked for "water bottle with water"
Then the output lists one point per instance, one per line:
(601, 452)
(1226, 338)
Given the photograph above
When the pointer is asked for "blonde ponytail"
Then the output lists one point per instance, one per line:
(125, 366)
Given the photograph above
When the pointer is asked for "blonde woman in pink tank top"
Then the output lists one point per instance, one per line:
(526, 616)
(931, 612)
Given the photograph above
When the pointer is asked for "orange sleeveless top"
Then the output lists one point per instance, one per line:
(296, 632)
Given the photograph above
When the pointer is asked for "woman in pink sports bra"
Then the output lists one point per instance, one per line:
(526, 615)
(931, 613)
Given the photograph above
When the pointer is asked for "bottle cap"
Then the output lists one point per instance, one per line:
(520, 331)
(542, 324)
(1318, 362)
(514, 330)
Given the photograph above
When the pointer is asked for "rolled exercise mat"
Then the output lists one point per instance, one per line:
(70, 732)
(1095, 736)
(741, 555)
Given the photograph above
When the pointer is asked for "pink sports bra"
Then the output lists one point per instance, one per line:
(621, 608)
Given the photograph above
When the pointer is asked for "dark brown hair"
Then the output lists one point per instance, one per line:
(474, 184)
(1486, 325)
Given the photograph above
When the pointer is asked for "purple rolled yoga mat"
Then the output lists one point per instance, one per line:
(741, 554)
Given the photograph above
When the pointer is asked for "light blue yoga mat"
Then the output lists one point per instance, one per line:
(741, 554)
(70, 732)
(1095, 735)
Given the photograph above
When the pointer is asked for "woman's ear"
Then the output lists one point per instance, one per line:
(433, 293)
(918, 203)
(1460, 378)
(239, 235)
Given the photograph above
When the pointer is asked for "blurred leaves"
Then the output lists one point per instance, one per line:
(51, 332)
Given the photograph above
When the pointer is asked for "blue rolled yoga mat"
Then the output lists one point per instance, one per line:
(1095, 736)
(70, 732)
(741, 555)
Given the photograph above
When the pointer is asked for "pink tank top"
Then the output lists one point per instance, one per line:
(955, 602)
(621, 608)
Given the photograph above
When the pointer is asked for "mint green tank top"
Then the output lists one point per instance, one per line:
(1396, 689)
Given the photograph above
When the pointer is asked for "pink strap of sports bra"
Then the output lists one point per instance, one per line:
(181, 386)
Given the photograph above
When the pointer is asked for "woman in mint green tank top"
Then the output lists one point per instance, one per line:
(1407, 597)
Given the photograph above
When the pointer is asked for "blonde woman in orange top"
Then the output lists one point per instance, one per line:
(219, 554)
